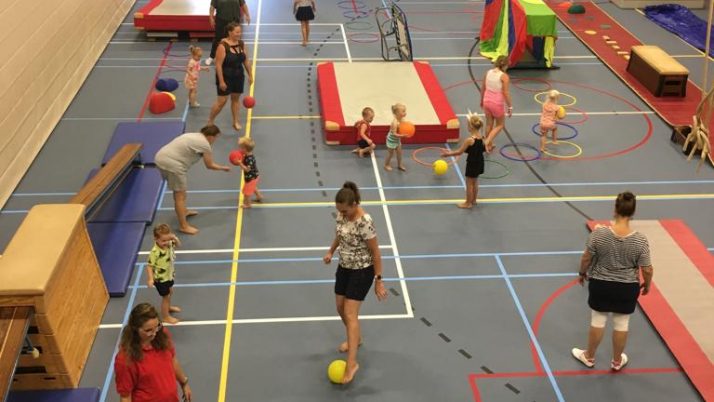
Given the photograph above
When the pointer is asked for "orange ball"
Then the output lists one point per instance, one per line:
(248, 101)
(406, 129)
(236, 157)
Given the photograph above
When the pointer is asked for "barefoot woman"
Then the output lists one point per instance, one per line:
(360, 264)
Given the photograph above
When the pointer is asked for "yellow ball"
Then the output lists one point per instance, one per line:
(561, 113)
(336, 370)
(440, 167)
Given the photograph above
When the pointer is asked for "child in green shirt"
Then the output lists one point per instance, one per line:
(160, 269)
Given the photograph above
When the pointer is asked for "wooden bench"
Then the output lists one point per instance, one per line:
(14, 322)
(657, 71)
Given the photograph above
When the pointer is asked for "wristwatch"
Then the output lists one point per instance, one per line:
(378, 278)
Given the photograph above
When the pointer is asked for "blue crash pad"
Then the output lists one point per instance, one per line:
(116, 246)
(134, 200)
(152, 135)
(57, 395)
(682, 22)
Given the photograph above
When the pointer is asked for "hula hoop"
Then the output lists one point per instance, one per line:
(351, 5)
(575, 131)
(519, 159)
(515, 83)
(583, 113)
(355, 15)
(505, 168)
(575, 100)
(353, 25)
(448, 160)
(366, 37)
(578, 150)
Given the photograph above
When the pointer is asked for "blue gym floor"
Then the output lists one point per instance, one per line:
(472, 293)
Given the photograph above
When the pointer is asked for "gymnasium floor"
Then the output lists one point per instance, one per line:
(482, 304)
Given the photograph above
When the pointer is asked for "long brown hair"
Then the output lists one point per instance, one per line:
(130, 339)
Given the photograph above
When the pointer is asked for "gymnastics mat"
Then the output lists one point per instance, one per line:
(681, 298)
(152, 136)
(116, 246)
(57, 395)
(346, 88)
(174, 15)
(134, 200)
(588, 27)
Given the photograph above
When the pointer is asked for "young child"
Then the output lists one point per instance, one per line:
(394, 139)
(191, 79)
(548, 117)
(160, 269)
(474, 147)
(250, 172)
(304, 11)
(365, 145)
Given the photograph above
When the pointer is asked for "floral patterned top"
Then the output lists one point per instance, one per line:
(353, 236)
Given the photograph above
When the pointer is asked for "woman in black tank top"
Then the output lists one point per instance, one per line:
(231, 60)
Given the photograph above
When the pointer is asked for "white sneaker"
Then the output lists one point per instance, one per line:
(579, 354)
(209, 61)
(618, 366)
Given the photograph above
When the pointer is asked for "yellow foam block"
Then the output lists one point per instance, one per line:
(611, 42)
(626, 56)
(616, 47)
(623, 52)
(605, 37)
(591, 32)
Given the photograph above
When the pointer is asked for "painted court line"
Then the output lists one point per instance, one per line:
(256, 250)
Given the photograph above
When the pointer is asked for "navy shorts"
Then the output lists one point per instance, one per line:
(164, 288)
(354, 284)
(363, 144)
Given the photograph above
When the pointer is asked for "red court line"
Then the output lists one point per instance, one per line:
(692, 246)
(153, 82)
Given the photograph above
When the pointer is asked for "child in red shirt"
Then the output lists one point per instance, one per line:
(365, 145)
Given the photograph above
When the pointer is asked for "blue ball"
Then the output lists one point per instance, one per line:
(166, 84)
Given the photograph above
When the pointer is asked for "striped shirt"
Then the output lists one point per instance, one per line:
(617, 258)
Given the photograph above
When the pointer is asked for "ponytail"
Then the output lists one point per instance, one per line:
(348, 194)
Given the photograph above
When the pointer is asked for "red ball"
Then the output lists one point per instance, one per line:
(248, 101)
(236, 157)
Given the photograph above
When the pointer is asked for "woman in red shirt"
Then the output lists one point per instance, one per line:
(146, 366)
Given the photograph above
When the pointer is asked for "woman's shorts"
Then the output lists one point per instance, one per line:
(174, 181)
(304, 14)
(613, 297)
(494, 104)
(354, 284)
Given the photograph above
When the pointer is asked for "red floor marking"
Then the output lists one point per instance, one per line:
(153, 82)
(354, 6)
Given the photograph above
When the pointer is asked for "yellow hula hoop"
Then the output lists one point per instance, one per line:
(578, 150)
(575, 100)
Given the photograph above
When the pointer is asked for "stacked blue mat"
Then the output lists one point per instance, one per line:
(117, 226)
(56, 395)
(682, 22)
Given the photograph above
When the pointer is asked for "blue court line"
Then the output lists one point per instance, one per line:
(130, 305)
(455, 165)
(331, 281)
(531, 334)
(515, 185)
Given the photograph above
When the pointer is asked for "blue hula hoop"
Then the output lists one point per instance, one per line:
(575, 130)
(517, 145)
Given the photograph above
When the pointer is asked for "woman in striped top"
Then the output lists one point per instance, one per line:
(612, 261)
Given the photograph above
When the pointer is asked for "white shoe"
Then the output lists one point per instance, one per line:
(618, 366)
(579, 354)
(209, 61)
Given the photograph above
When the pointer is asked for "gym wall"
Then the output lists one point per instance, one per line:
(48, 48)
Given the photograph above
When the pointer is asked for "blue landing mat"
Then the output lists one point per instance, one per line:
(134, 200)
(58, 395)
(152, 135)
(680, 21)
(116, 245)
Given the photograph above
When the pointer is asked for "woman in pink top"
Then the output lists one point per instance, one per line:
(548, 116)
(495, 95)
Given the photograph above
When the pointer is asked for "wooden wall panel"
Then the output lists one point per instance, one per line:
(49, 53)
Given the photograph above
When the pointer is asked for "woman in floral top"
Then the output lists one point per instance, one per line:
(360, 264)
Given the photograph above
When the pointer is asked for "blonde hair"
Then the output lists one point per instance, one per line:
(475, 123)
(553, 94)
(367, 110)
(398, 106)
(161, 229)
(194, 50)
(501, 63)
(246, 143)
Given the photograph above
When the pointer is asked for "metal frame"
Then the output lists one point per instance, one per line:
(394, 24)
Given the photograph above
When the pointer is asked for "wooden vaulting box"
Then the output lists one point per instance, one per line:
(50, 266)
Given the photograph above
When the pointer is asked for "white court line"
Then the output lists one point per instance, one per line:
(274, 320)
(612, 113)
(255, 250)
(347, 46)
(392, 239)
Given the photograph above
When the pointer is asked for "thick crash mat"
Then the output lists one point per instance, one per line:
(153, 135)
(134, 200)
(116, 246)
(58, 395)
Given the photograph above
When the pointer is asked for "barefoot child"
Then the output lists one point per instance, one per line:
(548, 117)
(160, 270)
(365, 145)
(304, 11)
(191, 79)
(474, 147)
(250, 172)
(394, 139)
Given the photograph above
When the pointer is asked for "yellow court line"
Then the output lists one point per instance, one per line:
(230, 310)
(286, 117)
(503, 200)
